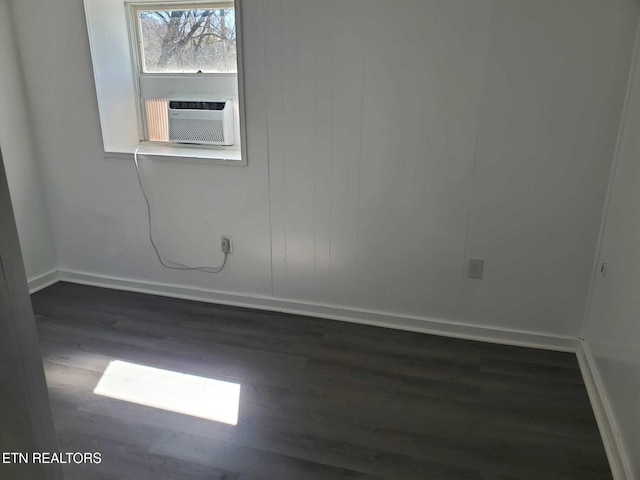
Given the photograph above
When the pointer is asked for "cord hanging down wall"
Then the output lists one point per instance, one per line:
(226, 241)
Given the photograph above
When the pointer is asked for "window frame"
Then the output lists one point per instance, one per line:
(133, 8)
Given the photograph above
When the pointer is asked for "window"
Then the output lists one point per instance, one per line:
(186, 52)
(198, 40)
(148, 56)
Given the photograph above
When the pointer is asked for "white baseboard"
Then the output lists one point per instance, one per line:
(613, 443)
(43, 281)
(380, 319)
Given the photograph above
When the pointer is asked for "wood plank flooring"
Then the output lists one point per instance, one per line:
(320, 399)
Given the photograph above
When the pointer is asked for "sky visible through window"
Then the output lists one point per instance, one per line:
(189, 40)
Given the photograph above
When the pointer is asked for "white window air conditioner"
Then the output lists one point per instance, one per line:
(201, 122)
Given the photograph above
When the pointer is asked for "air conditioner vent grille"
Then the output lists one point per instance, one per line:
(213, 125)
(196, 131)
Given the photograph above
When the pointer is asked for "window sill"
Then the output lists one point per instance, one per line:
(212, 155)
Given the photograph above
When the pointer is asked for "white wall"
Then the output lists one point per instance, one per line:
(386, 143)
(19, 152)
(98, 212)
(612, 331)
(406, 137)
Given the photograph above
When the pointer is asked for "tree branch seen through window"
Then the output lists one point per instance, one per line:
(189, 41)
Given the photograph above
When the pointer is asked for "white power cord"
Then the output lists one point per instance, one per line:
(168, 263)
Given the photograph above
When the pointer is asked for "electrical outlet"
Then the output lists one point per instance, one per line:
(476, 268)
(226, 244)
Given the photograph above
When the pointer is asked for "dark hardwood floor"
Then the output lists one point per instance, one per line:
(320, 399)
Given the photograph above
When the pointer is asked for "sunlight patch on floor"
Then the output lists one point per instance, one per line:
(173, 391)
